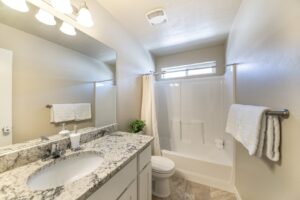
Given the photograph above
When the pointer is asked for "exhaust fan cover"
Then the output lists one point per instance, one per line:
(156, 16)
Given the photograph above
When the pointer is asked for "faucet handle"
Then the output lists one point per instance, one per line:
(104, 132)
(62, 152)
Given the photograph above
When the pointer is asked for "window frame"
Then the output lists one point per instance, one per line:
(189, 67)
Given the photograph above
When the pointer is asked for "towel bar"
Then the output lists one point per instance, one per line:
(280, 113)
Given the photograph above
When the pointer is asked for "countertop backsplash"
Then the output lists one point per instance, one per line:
(21, 154)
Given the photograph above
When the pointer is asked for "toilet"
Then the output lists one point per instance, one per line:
(162, 169)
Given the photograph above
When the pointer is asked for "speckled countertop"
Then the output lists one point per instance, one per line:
(117, 149)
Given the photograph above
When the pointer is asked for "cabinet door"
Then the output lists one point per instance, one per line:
(5, 97)
(130, 193)
(145, 183)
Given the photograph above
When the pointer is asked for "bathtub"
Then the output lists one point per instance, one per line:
(202, 171)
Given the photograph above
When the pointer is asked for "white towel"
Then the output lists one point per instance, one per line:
(82, 111)
(273, 138)
(62, 113)
(261, 143)
(244, 123)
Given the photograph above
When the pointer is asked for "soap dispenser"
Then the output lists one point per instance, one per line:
(75, 139)
(64, 131)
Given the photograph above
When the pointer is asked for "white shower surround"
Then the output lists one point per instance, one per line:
(191, 115)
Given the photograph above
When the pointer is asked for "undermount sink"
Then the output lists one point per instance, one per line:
(65, 171)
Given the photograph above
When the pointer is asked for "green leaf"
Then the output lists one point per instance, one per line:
(136, 126)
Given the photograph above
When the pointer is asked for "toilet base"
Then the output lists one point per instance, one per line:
(161, 187)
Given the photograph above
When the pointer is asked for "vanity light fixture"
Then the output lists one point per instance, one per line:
(19, 5)
(68, 29)
(63, 6)
(45, 17)
(84, 17)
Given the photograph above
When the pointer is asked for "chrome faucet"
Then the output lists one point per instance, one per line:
(54, 153)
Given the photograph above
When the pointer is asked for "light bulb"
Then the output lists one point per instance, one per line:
(63, 6)
(68, 29)
(19, 5)
(45, 17)
(85, 18)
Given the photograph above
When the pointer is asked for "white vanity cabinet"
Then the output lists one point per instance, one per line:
(133, 182)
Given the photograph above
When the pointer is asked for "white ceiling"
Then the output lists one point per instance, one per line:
(191, 23)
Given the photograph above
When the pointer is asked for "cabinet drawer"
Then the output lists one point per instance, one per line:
(112, 189)
(144, 158)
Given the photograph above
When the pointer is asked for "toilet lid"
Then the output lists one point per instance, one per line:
(161, 164)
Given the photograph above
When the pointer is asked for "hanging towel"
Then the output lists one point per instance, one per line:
(62, 113)
(261, 143)
(82, 111)
(273, 138)
(245, 124)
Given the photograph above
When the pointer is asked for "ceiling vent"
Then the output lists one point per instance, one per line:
(156, 16)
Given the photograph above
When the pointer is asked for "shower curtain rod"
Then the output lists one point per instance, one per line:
(103, 81)
(154, 73)
(231, 64)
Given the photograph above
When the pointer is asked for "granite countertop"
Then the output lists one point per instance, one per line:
(117, 149)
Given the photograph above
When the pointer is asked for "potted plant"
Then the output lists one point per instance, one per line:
(136, 126)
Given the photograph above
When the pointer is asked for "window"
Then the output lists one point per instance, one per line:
(189, 70)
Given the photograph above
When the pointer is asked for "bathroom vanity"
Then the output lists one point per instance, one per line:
(122, 170)
(131, 183)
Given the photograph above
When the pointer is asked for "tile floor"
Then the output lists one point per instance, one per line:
(186, 190)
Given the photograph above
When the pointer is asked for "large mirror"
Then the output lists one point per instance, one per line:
(40, 67)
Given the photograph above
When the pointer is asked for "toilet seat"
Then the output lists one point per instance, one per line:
(162, 165)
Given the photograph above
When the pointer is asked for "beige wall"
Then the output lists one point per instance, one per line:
(132, 61)
(265, 39)
(215, 53)
(45, 73)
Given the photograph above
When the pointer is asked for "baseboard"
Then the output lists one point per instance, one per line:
(206, 180)
(237, 194)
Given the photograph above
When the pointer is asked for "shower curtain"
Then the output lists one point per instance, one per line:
(148, 112)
